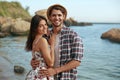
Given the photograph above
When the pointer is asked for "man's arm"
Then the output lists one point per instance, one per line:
(70, 65)
(34, 63)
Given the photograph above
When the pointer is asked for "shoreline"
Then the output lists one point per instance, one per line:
(7, 70)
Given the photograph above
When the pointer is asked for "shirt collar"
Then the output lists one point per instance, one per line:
(62, 29)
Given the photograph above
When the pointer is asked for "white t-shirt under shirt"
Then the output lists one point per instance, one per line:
(57, 57)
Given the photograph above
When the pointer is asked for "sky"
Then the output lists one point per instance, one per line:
(107, 11)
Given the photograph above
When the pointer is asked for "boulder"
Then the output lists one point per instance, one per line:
(112, 35)
(20, 28)
(18, 69)
(5, 19)
(42, 12)
(6, 27)
(5, 24)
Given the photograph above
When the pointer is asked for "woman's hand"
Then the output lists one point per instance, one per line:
(52, 39)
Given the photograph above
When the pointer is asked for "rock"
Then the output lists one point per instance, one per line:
(6, 27)
(2, 35)
(2, 20)
(17, 27)
(18, 69)
(112, 35)
(42, 12)
(20, 28)
(5, 20)
(6, 24)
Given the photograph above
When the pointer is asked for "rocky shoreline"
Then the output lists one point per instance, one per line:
(15, 27)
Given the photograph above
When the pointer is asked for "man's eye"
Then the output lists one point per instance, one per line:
(53, 14)
(59, 15)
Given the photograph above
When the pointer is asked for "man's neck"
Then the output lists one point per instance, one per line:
(56, 30)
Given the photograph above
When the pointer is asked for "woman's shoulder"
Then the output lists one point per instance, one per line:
(42, 41)
(43, 44)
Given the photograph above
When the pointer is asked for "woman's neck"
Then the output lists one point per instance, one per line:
(38, 36)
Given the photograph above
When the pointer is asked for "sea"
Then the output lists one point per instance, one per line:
(101, 59)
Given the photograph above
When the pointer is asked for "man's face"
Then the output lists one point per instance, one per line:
(56, 18)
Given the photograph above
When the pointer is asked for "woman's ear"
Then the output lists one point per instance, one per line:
(36, 31)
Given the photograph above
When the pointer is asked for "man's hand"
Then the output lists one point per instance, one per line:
(48, 72)
(51, 71)
(34, 63)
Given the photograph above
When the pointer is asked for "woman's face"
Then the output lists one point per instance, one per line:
(42, 27)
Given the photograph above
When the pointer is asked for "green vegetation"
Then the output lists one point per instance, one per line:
(14, 10)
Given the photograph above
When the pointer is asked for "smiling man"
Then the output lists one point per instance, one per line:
(68, 47)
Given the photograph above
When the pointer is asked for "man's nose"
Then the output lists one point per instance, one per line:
(56, 17)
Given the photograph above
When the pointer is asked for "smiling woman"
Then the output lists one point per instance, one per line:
(39, 48)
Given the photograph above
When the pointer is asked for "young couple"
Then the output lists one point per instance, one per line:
(58, 57)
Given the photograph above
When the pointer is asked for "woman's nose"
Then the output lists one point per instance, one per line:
(45, 27)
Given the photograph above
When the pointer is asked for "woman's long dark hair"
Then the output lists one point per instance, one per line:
(33, 31)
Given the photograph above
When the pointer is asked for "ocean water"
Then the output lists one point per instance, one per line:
(101, 60)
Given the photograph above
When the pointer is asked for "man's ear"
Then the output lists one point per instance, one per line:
(64, 17)
(49, 18)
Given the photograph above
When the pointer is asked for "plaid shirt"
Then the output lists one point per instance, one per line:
(71, 48)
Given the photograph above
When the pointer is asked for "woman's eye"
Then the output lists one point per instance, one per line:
(39, 26)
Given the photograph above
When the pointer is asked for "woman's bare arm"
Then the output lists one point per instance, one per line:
(47, 53)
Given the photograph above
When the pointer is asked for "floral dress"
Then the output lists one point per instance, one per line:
(33, 74)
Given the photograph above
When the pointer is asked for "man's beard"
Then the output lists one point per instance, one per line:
(57, 25)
